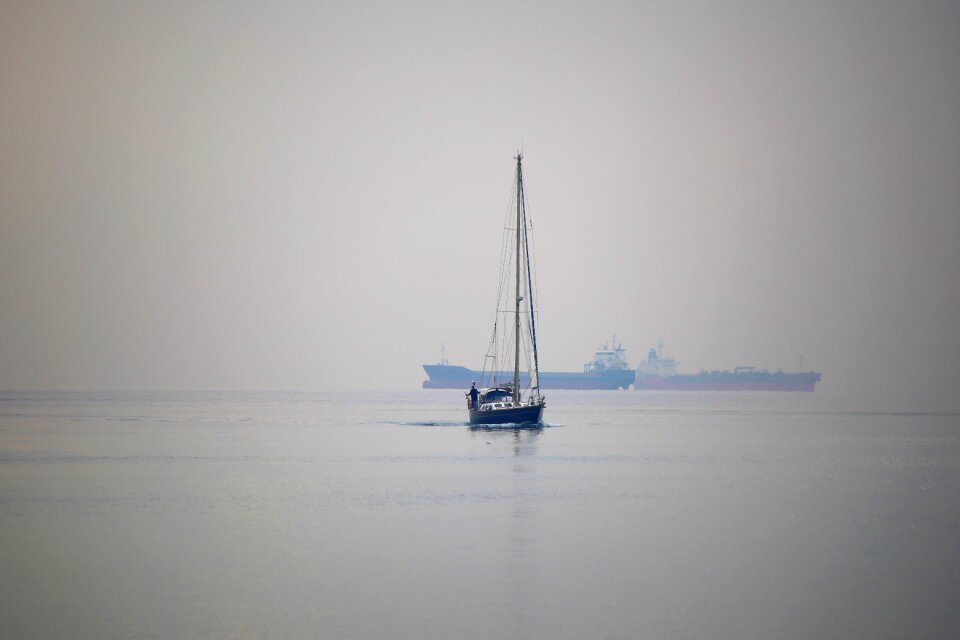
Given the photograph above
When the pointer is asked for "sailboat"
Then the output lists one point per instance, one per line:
(502, 400)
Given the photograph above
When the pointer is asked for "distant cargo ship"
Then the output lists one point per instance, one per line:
(608, 370)
(661, 373)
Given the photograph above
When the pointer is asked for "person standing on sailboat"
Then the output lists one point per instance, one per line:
(473, 393)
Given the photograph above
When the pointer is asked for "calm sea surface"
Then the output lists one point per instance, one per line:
(632, 515)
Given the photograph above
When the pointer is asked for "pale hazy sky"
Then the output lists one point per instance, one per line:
(309, 195)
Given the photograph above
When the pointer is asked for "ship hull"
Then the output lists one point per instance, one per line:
(729, 381)
(513, 415)
(441, 376)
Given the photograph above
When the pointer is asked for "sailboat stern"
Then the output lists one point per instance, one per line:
(522, 414)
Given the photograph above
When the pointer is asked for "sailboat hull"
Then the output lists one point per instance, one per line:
(512, 415)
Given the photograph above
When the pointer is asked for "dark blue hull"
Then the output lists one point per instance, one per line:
(512, 415)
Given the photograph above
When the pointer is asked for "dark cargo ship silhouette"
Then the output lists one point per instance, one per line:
(609, 370)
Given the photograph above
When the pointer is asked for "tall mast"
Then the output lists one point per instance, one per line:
(516, 342)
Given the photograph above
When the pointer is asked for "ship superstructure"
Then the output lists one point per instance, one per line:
(656, 364)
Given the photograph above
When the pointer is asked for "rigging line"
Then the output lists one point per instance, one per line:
(533, 248)
(533, 324)
(506, 260)
(526, 354)
(493, 338)
(508, 248)
(501, 280)
(533, 241)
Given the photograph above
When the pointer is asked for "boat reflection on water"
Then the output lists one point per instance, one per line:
(524, 436)
(521, 485)
(508, 428)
